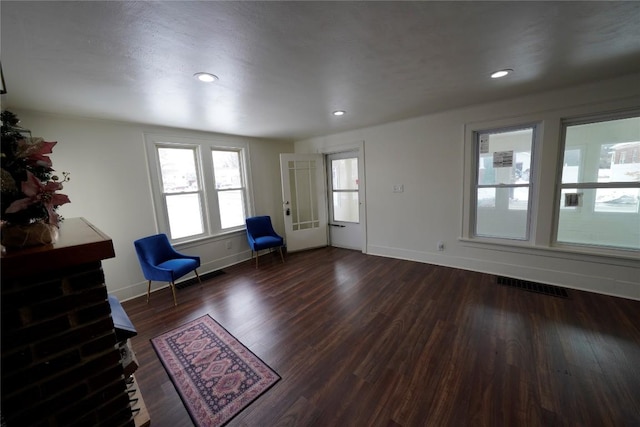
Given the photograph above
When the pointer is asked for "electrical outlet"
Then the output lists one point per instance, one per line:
(228, 244)
(441, 245)
(398, 188)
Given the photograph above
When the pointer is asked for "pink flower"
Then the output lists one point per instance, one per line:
(37, 192)
(34, 150)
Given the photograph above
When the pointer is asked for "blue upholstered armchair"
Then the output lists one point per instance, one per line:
(261, 235)
(161, 262)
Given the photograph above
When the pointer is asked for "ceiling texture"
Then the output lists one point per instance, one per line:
(283, 67)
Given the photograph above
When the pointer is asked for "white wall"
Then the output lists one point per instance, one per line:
(426, 155)
(110, 188)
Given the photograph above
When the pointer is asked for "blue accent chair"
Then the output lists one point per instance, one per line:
(261, 235)
(160, 261)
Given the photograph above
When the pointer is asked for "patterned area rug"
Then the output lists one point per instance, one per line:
(215, 375)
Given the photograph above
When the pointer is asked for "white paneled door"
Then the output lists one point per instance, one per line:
(304, 200)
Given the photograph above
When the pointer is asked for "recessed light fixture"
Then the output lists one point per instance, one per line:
(501, 73)
(205, 77)
(339, 113)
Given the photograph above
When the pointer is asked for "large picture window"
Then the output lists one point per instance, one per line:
(599, 196)
(200, 187)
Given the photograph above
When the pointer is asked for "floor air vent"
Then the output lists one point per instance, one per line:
(203, 277)
(539, 288)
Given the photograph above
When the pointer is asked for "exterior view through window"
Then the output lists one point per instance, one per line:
(199, 186)
(229, 187)
(181, 191)
(502, 185)
(344, 188)
(600, 190)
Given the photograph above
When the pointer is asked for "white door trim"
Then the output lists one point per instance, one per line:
(359, 147)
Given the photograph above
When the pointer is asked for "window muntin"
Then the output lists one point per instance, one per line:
(503, 166)
(304, 205)
(345, 193)
(603, 194)
(181, 191)
(192, 198)
(230, 189)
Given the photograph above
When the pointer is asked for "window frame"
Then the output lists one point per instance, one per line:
(566, 122)
(204, 168)
(348, 155)
(471, 185)
(548, 160)
(243, 184)
(163, 195)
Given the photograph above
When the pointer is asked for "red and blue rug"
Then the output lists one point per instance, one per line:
(215, 375)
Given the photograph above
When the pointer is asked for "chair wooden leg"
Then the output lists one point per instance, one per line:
(148, 291)
(173, 289)
(281, 256)
(198, 276)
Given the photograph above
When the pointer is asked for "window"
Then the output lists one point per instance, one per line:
(200, 187)
(502, 186)
(181, 191)
(600, 192)
(344, 189)
(229, 186)
(574, 188)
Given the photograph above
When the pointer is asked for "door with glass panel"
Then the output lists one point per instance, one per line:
(345, 226)
(304, 200)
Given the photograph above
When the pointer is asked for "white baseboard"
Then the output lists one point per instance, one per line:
(140, 289)
(569, 279)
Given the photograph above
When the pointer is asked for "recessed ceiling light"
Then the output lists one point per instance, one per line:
(339, 113)
(205, 77)
(501, 73)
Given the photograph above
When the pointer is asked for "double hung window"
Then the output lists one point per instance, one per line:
(182, 190)
(582, 194)
(200, 187)
(502, 184)
(229, 186)
(600, 183)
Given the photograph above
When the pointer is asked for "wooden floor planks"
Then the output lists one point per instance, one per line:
(369, 341)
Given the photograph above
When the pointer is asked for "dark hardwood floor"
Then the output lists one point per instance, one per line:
(370, 341)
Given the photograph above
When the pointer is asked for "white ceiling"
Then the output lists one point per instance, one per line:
(285, 66)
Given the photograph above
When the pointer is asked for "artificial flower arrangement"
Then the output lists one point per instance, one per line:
(28, 181)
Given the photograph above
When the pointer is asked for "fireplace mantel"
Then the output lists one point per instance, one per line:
(60, 365)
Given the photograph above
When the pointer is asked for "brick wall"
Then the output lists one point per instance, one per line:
(60, 366)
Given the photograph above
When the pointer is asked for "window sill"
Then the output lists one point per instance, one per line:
(620, 257)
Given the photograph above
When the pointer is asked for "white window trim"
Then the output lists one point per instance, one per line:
(549, 159)
(581, 247)
(530, 185)
(211, 219)
(470, 178)
(243, 188)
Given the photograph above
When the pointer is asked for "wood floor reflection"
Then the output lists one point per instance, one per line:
(361, 340)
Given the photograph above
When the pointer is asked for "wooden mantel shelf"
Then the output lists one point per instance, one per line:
(79, 242)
